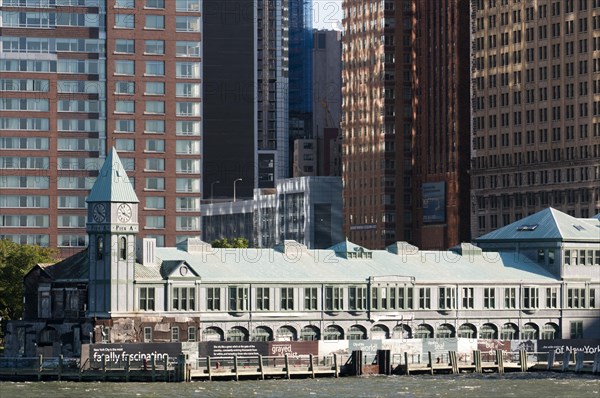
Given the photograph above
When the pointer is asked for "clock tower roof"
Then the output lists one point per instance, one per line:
(112, 183)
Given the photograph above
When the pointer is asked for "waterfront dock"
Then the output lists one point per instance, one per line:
(289, 367)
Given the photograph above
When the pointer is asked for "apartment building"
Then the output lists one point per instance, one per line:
(536, 109)
(81, 76)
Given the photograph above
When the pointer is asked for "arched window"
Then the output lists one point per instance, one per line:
(310, 333)
(123, 248)
(529, 331)
(509, 331)
(467, 331)
(401, 332)
(333, 332)
(262, 333)
(286, 333)
(550, 331)
(488, 331)
(212, 334)
(237, 333)
(444, 331)
(380, 332)
(100, 248)
(424, 331)
(357, 332)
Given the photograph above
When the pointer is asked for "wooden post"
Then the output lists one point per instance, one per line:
(40, 367)
(166, 369)
(60, 366)
(406, 369)
(235, 368)
(596, 366)
(261, 367)
(500, 361)
(566, 360)
(477, 361)
(335, 366)
(287, 366)
(550, 363)
(523, 360)
(579, 361)
(208, 368)
(127, 367)
(182, 367)
(103, 367)
(453, 361)
(311, 367)
(430, 361)
(153, 364)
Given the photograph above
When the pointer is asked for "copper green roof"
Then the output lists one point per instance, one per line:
(112, 184)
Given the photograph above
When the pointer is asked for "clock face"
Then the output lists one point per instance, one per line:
(124, 213)
(99, 212)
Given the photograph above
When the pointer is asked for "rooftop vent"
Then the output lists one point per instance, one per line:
(402, 248)
(579, 227)
(527, 227)
(194, 245)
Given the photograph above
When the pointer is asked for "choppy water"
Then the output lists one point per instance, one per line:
(545, 385)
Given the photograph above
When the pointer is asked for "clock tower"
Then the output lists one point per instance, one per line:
(112, 226)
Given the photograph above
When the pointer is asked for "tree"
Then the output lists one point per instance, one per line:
(15, 261)
(241, 243)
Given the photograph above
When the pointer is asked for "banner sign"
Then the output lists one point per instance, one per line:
(588, 346)
(255, 348)
(434, 202)
(117, 354)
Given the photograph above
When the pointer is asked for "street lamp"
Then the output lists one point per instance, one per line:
(239, 179)
(212, 184)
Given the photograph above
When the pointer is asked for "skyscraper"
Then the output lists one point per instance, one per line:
(82, 76)
(442, 134)
(272, 28)
(536, 109)
(377, 121)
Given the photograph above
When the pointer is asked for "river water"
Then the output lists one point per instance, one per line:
(543, 385)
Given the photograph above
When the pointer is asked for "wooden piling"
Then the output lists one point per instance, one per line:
(550, 363)
(336, 370)
(523, 360)
(127, 367)
(500, 361)
(103, 367)
(311, 367)
(261, 367)
(406, 369)
(235, 368)
(596, 365)
(579, 361)
(477, 361)
(60, 366)
(153, 364)
(430, 361)
(566, 360)
(287, 366)
(453, 362)
(40, 367)
(166, 368)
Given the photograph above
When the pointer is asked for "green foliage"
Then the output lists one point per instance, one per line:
(241, 243)
(15, 261)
